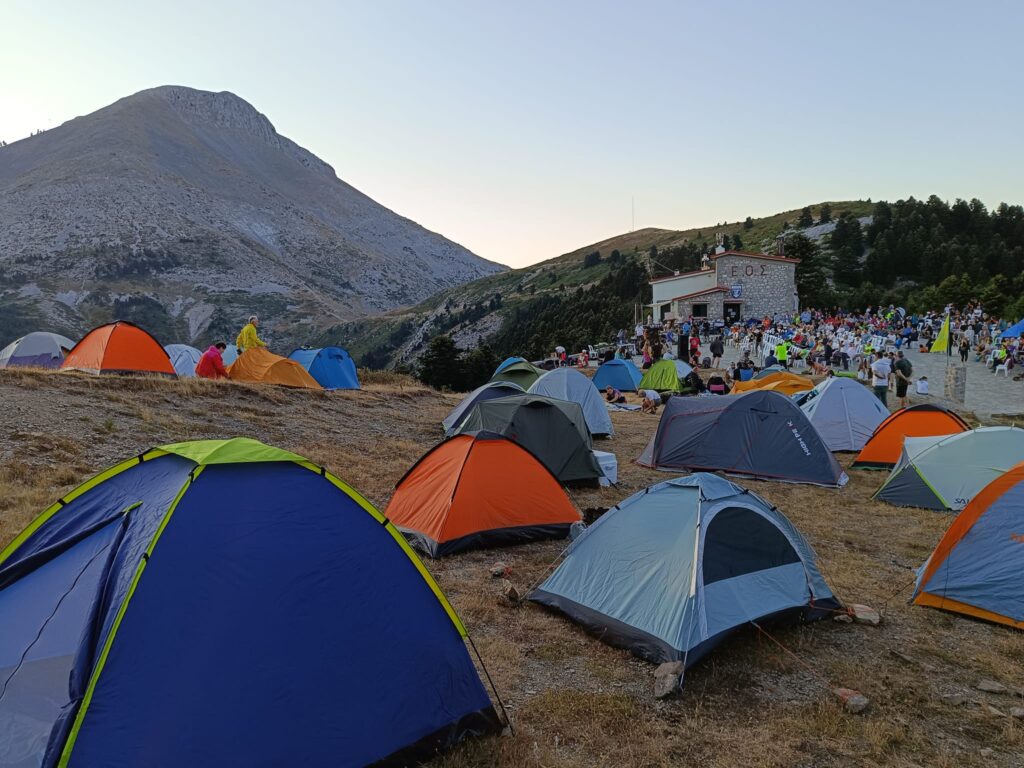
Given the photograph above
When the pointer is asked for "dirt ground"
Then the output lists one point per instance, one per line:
(757, 700)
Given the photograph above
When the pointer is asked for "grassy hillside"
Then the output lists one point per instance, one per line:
(474, 312)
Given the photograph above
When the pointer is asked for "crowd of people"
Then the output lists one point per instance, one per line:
(871, 345)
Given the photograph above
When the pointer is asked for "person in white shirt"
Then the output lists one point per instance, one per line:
(880, 372)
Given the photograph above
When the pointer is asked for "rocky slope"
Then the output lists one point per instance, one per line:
(186, 210)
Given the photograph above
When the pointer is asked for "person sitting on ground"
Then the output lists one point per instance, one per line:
(650, 401)
(717, 385)
(211, 364)
(583, 359)
(247, 337)
(612, 395)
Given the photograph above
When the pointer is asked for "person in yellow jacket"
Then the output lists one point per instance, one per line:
(247, 337)
(782, 354)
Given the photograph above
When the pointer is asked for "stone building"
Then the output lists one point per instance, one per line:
(733, 285)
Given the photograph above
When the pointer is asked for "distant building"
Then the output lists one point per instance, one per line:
(733, 285)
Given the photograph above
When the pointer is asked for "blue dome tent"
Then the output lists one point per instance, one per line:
(621, 374)
(672, 570)
(332, 367)
(223, 602)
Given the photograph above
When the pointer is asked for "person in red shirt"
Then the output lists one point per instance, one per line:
(211, 364)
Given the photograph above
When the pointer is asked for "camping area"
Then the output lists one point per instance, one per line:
(757, 700)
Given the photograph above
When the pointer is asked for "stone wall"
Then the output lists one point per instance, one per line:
(766, 286)
(684, 309)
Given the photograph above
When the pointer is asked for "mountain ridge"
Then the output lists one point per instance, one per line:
(186, 210)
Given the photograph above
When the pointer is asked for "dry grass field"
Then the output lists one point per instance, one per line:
(756, 701)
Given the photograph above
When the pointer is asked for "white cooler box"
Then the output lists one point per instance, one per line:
(609, 465)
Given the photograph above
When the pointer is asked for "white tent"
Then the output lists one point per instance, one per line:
(844, 412)
(569, 384)
(39, 350)
(184, 359)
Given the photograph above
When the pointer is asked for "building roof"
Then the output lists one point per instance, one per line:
(716, 289)
(681, 274)
(749, 255)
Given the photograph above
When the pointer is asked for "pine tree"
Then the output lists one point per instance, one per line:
(748, 223)
(806, 219)
(825, 213)
(441, 365)
(811, 280)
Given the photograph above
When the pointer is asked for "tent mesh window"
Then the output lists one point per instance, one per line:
(740, 541)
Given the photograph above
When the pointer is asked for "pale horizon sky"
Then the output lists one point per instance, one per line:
(523, 130)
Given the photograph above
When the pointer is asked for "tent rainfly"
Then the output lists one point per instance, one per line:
(256, 592)
(758, 434)
(883, 450)
(489, 391)
(37, 350)
(674, 569)
(947, 471)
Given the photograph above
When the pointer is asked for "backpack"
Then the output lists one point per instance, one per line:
(705, 363)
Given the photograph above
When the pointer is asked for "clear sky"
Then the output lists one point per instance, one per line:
(523, 129)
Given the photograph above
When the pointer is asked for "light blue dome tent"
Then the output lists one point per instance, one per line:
(332, 367)
(184, 359)
(569, 384)
(672, 570)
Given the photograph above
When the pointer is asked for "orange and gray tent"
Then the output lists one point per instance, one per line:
(119, 347)
(265, 367)
(221, 603)
(978, 567)
(883, 450)
(451, 500)
(555, 431)
(758, 434)
(783, 382)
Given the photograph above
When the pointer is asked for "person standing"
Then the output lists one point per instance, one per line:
(248, 338)
(782, 354)
(880, 372)
(904, 372)
(965, 348)
(717, 350)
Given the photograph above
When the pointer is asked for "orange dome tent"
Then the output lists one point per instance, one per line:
(479, 489)
(883, 449)
(265, 367)
(784, 382)
(977, 567)
(119, 347)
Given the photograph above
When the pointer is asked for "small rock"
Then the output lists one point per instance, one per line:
(843, 618)
(987, 752)
(1017, 712)
(666, 679)
(994, 711)
(863, 614)
(508, 589)
(954, 699)
(854, 702)
(991, 686)
(500, 571)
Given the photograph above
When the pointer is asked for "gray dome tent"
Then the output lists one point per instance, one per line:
(552, 430)
(489, 391)
(758, 434)
(844, 412)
